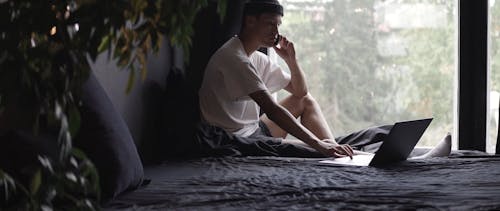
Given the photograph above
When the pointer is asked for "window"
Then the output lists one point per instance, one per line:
(494, 75)
(376, 62)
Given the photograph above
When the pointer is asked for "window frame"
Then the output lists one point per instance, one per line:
(472, 74)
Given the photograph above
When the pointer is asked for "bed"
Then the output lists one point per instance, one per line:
(466, 180)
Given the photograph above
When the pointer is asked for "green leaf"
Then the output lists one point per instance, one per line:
(119, 44)
(104, 44)
(142, 64)
(221, 9)
(79, 154)
(124, 59)
(159, 42)
(86, 204)
(74, 120)
(154, 40)
(45, 207)
(131, 79)
(36, 181)
(89, 172)
(71, 177)
(73, 162)
(8, 184)
(46, 163)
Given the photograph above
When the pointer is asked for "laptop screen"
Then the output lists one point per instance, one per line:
(400, 142)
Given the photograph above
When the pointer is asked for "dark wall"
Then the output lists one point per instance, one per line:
(163, 108)
(181, 99)
(210, 34)
(142, 108)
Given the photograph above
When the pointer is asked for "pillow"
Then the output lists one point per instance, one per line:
(107, 142)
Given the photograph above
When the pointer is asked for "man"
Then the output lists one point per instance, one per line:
(239, 81)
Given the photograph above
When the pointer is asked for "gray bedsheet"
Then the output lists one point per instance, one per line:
(273, 183)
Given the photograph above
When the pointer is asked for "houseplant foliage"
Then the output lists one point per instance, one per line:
(47, 47)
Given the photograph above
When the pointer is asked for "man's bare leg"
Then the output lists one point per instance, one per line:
(310, 116)
(442, 149)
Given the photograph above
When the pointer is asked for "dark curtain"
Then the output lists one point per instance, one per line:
(181, 112)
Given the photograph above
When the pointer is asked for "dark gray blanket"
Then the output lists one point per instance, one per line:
(249, 183)
(210, 141)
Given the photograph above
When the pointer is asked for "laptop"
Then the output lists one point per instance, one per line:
(396, 147)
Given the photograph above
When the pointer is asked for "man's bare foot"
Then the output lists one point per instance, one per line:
(442, 149)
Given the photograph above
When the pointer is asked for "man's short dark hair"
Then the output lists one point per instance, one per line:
(258, 7)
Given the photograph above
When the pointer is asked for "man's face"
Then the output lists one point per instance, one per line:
(266, 28)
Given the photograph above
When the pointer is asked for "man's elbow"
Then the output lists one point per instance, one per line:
(272, 111)
(301, 93)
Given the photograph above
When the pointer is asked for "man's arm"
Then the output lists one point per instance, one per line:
(297, 85)
(287, 122)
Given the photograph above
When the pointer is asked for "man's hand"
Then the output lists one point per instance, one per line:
(286, 50)
(297, 85)
(330, 148)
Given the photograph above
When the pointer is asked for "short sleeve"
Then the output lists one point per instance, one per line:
(277, 78)
(273, 75)
(242, 81)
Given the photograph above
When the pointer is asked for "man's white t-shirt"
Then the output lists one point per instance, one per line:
(230, 76)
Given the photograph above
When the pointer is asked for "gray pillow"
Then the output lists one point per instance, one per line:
(106, 140)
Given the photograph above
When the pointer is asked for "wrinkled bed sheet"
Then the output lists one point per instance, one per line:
(460, 182)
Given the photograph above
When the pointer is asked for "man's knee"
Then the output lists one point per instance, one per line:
(309, 101)
(305, 101)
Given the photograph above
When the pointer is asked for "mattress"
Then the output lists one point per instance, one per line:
(463, 181)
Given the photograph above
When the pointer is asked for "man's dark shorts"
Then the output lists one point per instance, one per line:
(264, 134)
(214, 141)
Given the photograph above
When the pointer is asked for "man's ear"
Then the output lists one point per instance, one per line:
(250, 20)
